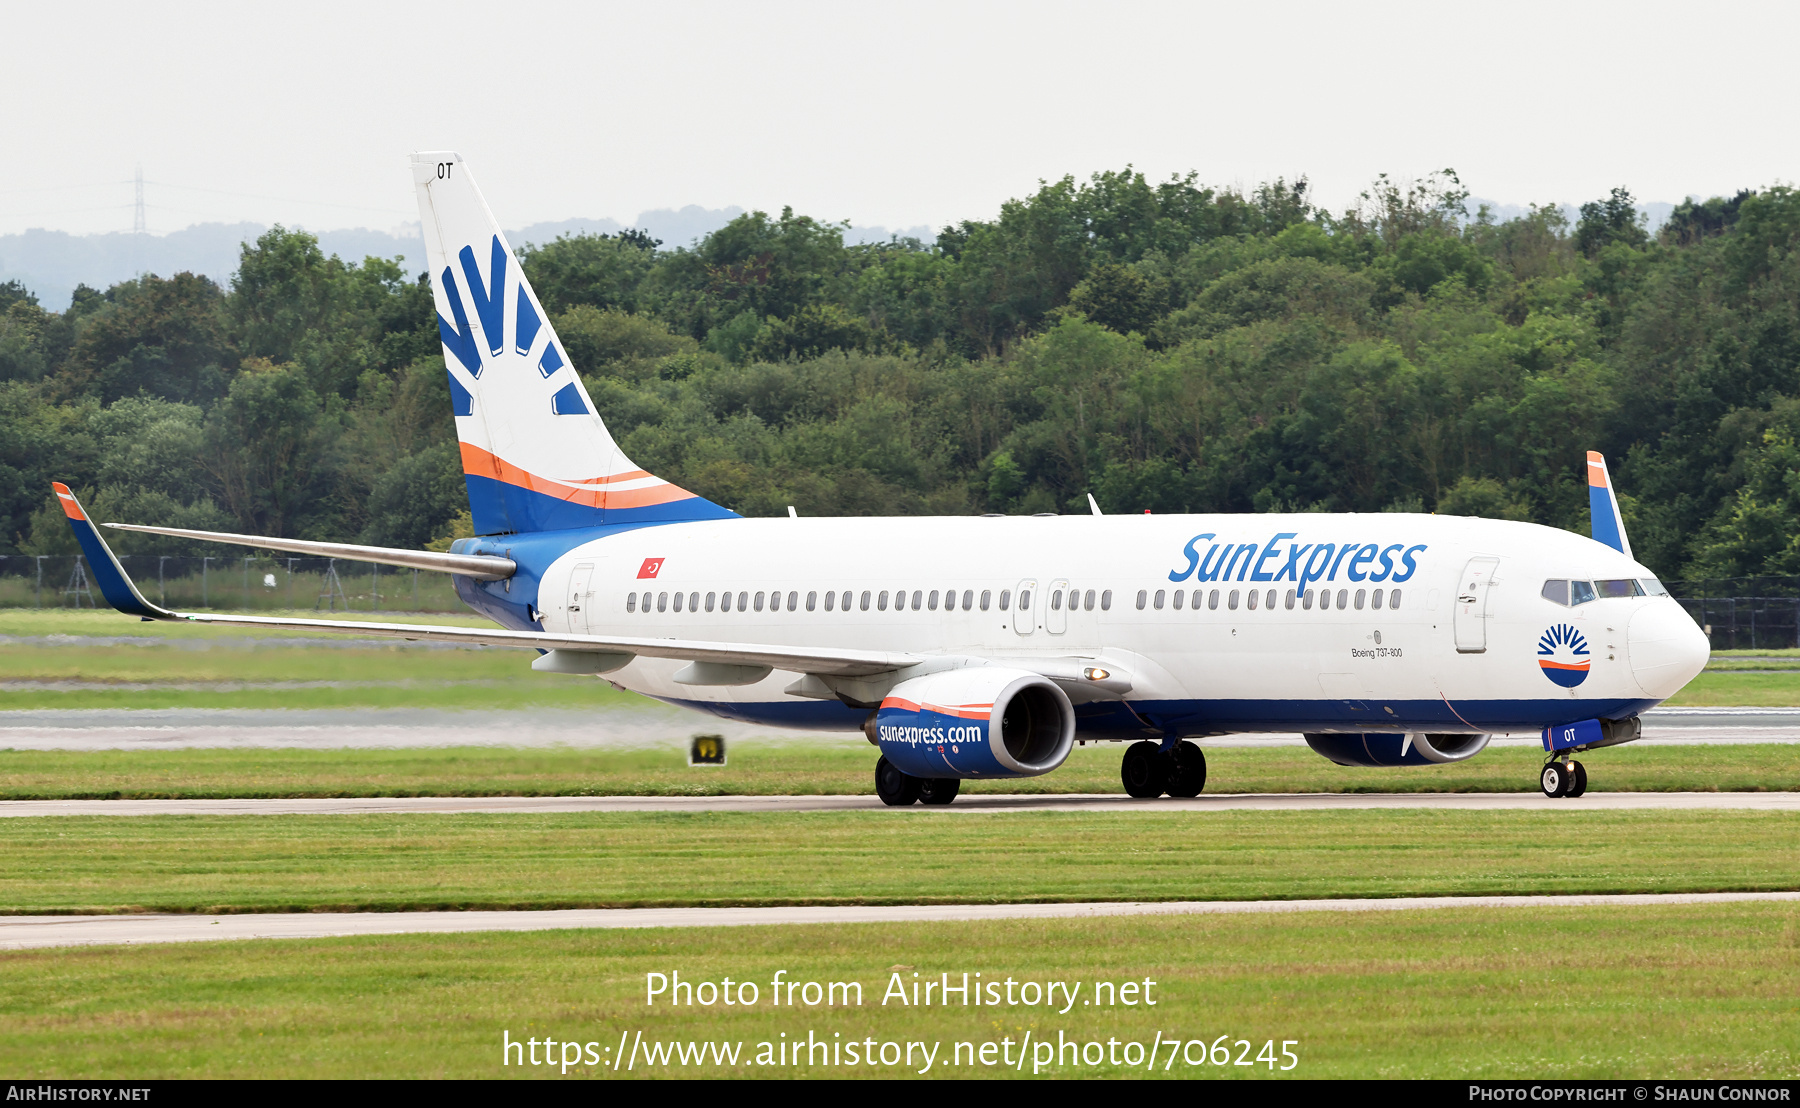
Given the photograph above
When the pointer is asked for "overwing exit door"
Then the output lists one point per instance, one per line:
(1470, 620)
(1025, 603)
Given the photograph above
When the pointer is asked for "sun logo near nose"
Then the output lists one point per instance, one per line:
(1563, 655)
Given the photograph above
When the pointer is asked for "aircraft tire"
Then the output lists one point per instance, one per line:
(1188, 770)
(1553, 780)
(1144, 770)
(1579, 785)
(896, 789)
(938, 790)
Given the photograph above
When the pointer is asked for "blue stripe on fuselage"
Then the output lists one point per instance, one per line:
(1199, 718)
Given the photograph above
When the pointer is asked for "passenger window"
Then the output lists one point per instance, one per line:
(1199, 595)
(812, 601)
(759, 601)
(1251, 600)
(918, 595)
(1143, 598)
(1056, 601)
(1613, 590)
(1024, 600)
(931, 601)
(831, 600)
(1557, 592)
(865, 600)
(631, 602)
(1106, 601)
(662, 601)
(646, 603)
(1394, 600)
(1180, 599)
(881, 601)
(1306, 599)
(1005, 596)
(678, 602)
(1375, 600)
(1269, 600)
(1212, 601)
(1343, 599)
(1231, 603)
(793, 601)
(744, 601)
(1288, 601)
(1089, 603)
(1360, 594)
(969, 599)
(1580, 592)
(711, 599)
(1159, 599)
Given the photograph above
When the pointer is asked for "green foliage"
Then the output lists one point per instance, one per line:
(1161, 345)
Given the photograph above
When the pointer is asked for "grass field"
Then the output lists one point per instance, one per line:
(430, 862)
(1669, 992)
(54, 662)
(820, 765)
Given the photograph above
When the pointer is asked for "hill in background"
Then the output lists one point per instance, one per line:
(52, 263)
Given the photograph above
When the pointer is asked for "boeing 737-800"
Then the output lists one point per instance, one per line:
(986, 647)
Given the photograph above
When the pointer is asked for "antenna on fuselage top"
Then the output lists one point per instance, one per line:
(1094, 504)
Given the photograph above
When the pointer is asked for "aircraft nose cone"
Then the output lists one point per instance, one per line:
(1667, 649)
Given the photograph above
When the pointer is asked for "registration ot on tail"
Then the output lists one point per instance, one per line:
(986, 647)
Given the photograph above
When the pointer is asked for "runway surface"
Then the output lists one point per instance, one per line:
(25, 932)
(645, 725)
(972, 804)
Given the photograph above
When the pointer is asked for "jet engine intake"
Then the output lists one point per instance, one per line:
(1415, 749)
(982, 721)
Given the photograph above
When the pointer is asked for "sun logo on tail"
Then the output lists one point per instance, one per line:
(1563, 655)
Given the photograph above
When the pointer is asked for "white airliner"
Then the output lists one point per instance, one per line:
(986, 647)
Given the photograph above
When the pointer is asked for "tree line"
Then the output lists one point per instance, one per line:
(1165, 346)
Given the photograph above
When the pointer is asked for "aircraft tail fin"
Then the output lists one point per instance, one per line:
(536, 454)
(1607, 525)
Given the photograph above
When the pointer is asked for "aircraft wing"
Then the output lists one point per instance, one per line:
(123, 595)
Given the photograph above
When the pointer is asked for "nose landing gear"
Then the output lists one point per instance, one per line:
(1565, 777)
(1148, 772)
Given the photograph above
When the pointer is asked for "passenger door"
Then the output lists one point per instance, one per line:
(581, 596)
(1024, 614)
(1056, 614)
(1471, 616)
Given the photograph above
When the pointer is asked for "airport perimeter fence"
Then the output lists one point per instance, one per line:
(1744, 613)
(1738, 613)
(239, 584)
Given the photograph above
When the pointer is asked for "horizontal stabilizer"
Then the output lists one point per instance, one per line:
(482, 567)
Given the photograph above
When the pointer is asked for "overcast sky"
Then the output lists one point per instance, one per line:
(895, 114)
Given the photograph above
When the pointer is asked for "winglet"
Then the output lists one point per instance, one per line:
(108, 573)
(1607, 526)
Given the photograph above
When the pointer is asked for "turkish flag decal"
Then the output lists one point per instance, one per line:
(650, 568)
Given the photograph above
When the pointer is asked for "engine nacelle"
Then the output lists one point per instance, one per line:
(983, 721)
(1415, 749)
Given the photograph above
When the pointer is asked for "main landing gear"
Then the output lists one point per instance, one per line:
(1563, 777)
(897, 790)
(1148, 772)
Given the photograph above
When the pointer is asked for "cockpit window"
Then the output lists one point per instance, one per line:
(1580, 592)
(1624, 587)
(1557, 591)
(1653, 587)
